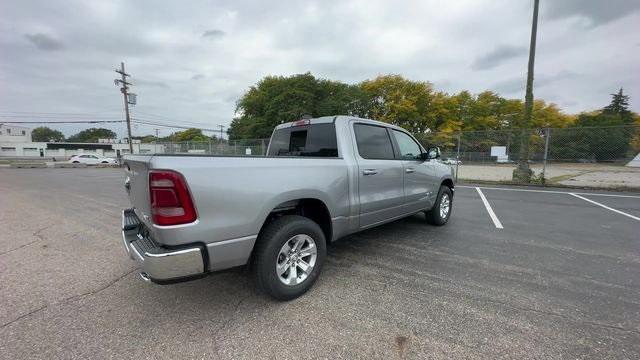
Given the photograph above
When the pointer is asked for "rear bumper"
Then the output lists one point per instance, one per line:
(159, 263)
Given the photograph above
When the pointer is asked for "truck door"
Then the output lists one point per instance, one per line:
(419, 175)
(380, 176)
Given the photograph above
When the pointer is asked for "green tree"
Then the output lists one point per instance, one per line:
(549, 115)
(278, 99)
(402, 102)
(435, 117)
(92, 135)
(619, 104)
(145, 138)
(45, 134)
(188, 135)
(604, 135)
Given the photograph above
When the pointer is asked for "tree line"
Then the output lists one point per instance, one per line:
(432, 116)
(413, 105)
(91, 135)
(435, 117)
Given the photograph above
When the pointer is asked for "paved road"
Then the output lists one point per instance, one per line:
(561, 280)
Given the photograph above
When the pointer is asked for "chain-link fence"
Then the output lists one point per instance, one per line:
(580, 156)
(212, 147)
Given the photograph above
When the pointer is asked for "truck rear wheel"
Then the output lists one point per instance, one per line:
(288, 257)
(441, 210)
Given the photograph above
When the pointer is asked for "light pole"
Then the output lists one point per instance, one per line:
(221, 128)
(156, 140)
(523, 172)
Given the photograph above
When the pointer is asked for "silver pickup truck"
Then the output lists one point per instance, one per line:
(321, 180)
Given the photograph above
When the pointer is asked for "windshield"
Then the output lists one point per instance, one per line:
(317, 140)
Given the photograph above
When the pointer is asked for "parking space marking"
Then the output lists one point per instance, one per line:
(550, 191)
(605, 206)
(493, 216)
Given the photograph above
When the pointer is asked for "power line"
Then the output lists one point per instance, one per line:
(54, 117)
(22, 113)
(170, 120)
(144, 122)
(153, 115)
(63, 122)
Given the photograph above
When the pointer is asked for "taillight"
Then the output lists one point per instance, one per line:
(171, 203)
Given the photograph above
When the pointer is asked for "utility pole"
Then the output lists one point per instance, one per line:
(523, 172)
(156, 142)
(221, 127)
(125, 94)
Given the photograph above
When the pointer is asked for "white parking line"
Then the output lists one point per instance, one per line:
(605, 206)
(493, 216)
(549, 191)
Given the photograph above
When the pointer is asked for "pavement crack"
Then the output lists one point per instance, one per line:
(95, 291)
(23, 316)
(36, 234)
(69, 299)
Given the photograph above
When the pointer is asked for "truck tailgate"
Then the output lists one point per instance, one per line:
(137, 185)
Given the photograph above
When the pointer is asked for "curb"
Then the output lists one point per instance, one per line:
(28, 165)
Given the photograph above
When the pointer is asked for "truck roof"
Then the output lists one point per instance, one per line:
(333, 118)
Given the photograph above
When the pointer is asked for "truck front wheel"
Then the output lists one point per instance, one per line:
(288, 256)
(441, 210)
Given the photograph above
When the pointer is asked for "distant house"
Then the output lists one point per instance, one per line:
(14, 134)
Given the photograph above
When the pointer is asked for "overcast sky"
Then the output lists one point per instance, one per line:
(192, 60)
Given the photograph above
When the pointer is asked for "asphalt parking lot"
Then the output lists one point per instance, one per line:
(559, 278)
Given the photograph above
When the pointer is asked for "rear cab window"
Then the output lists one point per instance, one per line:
(314, 140)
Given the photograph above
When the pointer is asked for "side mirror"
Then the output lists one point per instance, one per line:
(432, 153)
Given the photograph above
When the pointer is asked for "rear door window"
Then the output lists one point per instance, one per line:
(373, 142)
(318, 140)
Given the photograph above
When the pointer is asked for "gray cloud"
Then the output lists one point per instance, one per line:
(150, 83)
(598, 12)
(497, 56)
(166, 48)
(44, 42)
(213, 34)
(516, 85)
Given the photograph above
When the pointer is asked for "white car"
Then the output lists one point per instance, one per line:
(91, 159)
(452, 161)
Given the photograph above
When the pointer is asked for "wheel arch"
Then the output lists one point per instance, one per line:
(312, 208)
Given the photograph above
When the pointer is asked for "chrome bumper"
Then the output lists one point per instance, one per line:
(159, 264)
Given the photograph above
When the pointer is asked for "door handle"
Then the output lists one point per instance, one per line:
(369, 172)
(409, 170)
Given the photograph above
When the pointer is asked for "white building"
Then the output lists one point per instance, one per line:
(63, 150)
(14, 134)
(15, 141)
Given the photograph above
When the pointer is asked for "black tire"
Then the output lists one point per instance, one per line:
(433, 216)
(105, 162)
(267, 250)
(76, 162)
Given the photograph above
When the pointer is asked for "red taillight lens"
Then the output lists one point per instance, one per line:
(301, 122)
(171, 203)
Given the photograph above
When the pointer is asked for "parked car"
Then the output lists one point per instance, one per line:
(321, 180)
(451, 161)
(92, 159)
